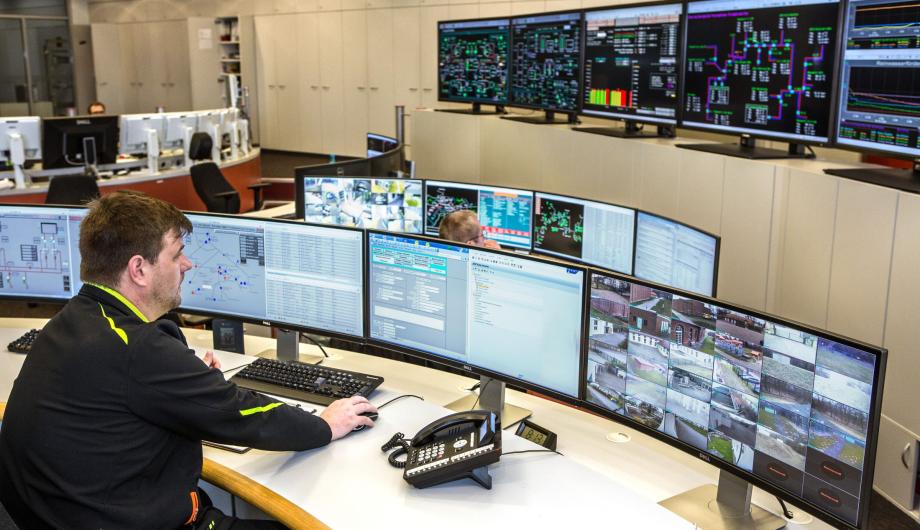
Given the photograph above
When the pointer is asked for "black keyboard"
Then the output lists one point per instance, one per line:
(304, 382)
(24, 343)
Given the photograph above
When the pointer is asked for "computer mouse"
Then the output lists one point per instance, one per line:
(371, 415)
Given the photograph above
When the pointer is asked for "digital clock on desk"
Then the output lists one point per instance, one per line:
(536, 434)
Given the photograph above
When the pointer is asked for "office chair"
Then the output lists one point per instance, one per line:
(213, 189)
(76, 189)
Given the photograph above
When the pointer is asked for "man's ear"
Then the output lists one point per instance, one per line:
(137, 272)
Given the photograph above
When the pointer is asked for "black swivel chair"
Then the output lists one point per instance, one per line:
(213, 189)
(76, 189)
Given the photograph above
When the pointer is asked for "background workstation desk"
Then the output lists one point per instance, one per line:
(350, 484)
(174, 185)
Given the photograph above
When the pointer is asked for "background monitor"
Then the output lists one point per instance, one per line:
(385, 204)
(632, 63)
(387, 164)
(672, 253)
(487, 311)
(29, 129)
(473, 60)
(292, 274)
(39, 251)
(545, 61)
(505, 214)
(179, 125)
(879, 103)
(788, 408)
(134, 129)
(377, 144)
(592, 232)
(62, 140)
(761, 67)
(360, 167)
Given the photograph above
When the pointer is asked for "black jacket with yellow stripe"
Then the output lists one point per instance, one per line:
(104, 425)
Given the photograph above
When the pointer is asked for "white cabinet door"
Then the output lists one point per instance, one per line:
(287, 68)
(178, 76)
(311, 125)
(381, 116)
(428, 52)
(149, 39)
(265, 72)
(354, 88)
(129, 69)
(406, 57)
(108, 62)
(332, 81)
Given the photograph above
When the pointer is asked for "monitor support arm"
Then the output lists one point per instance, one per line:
(153, 151)
(18, 158)
(187, 144)
(243, 125)
(214, 131)
(234, 140)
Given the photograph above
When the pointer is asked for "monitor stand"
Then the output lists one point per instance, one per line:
(747, 148)
(287, 348)
(726, 507)
(491, 397)
(477, 109)
(631, 130)
(900, 179)
(89, 157)
(548, 118)
(18, 159)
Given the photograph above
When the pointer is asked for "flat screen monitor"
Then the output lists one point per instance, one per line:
(764, 68)
(347, 168)
(672, 253)
(790, 409)
(879, 103)
(385, 204)
(28, 129)
(63, 141)
(135, 129)
(179, 125)
(505, 214)
(545, 61)
(286, 273)
(632, 63)
(473, 60)
(40, 252)
(593, 232)
(378, 144)
(487, 311)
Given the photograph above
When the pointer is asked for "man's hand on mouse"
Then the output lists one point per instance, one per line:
(344, 415)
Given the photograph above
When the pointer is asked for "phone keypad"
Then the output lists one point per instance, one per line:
(430, 453)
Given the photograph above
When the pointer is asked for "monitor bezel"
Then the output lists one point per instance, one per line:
(474, 370)
(581, 58)
(718, 249)
(356, 339)
(299, 203)
(479, 187)
(874, 412)
(507, 97)
(558, 256)
(637, 118)
(755, 133)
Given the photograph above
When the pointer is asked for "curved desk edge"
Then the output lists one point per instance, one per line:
(274, 505)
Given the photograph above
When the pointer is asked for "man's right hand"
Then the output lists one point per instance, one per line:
(491, 243)
(343, 415)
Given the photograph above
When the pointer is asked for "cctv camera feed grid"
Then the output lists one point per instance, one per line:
(788, 406)
(500, 312)
(671, 253)
(593, 232)
(385, 204)
(631, 62)
(308, 276)
(473, 61)
(761, 66)
(545, 61)
(505, 214)
(880, 92)
(39, 251)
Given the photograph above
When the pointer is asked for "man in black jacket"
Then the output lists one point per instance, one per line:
(104, 425)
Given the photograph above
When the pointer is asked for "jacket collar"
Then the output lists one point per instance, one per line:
(112, 297)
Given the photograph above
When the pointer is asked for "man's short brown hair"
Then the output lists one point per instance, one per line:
(123, 224)
(460, 226)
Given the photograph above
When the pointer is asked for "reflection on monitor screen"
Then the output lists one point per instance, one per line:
(499, 312)
(473, 61)
(505, 214)
(674, 254)
(545, 57)
(786, 405)
(384, 204)
(762, 67)
(592, 232)
(302, 275)
(880, 89)
(39, 251)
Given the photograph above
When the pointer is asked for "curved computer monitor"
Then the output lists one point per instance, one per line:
(65, 141)
(675, 254)
(28, 129)
(761, 69)
(587, 231)
(791, 409)
(39, 251)
(387, 164)
(283, 273)
(505, 214)
(474, 61)
(631, 67)
(386, 204)
(515, 318)
(349, 168)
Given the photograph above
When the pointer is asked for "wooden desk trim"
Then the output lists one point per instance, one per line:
(274, 505)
